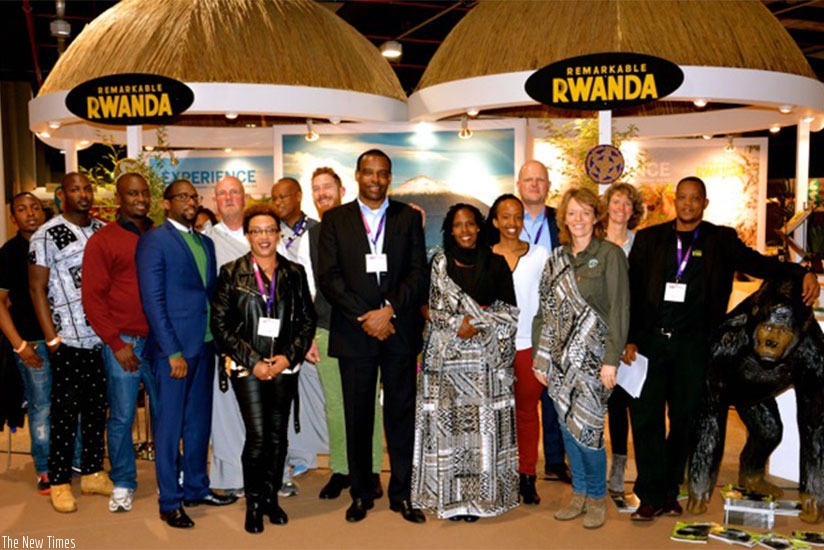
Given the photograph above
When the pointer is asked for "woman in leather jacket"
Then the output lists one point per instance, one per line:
(265, 324)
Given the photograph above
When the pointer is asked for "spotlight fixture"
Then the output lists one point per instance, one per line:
(707, 136)
(473, 112)
(227, 150)
(84, 142)
(44, 135)
(700, 102)
(391, 49)
(808, 118)
(148, 148)
(54, 125)
(231, 115)
(730, 147)
(465, 132)
(251, 125)
(335, 120)
(785, 109)
(311, 134)
(775, 128)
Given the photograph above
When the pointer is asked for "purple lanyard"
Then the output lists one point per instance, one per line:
(683, 259)
(297, 232)
(369, 230)
(538, 235)
(270, 300)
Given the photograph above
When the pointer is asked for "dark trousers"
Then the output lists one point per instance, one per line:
(674, 386)
(184, 411)
(78, 388)
(618, 409)
(554, 450)
(359, 376)
(265, 407)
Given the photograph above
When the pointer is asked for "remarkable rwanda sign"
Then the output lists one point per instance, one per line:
(130, 99)
(603, 81)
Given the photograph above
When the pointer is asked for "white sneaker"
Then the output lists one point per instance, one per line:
(121, 500)
(288, 489)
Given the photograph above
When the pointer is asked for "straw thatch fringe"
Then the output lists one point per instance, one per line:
(290, 42)
(507, 36)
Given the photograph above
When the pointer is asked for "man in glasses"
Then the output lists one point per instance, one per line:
(177, 273)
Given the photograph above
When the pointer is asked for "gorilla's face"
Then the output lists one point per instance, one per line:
(775, 336)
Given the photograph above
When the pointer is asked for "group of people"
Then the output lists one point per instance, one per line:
(527, 309)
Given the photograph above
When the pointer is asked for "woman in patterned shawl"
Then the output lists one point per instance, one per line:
(465, 460)
(585, 308)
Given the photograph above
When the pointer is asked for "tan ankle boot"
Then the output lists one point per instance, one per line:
(572, 510)
(97, 483)
(596, 513)
(62, 498)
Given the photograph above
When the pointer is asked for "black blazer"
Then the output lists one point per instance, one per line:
(724, 254)
(352, 291)
(552, 223)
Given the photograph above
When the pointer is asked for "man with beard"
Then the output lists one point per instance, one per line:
(111, 299)
(176, 270)
(78, 388)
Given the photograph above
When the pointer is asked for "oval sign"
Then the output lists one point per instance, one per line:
(130, 99)
(603, 81)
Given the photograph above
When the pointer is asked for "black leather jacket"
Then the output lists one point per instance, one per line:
(237, 305)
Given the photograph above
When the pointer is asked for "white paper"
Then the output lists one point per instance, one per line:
(632, 376)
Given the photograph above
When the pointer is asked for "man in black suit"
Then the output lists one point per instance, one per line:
(372, 265)
(681, 275)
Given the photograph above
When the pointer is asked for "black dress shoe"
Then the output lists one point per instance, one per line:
(646, 512)
(337, 483)
(672, 508)
(211, 499)
(357, 510)
(558, 472)
(276, 515)
(456, 518)
(409, 514)
(177, 518)
(378, 491)
(471, 519)
(254, 518)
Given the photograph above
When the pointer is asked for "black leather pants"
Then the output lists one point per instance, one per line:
(265, 406)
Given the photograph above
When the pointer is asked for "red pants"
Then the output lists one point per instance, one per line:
(527, 423)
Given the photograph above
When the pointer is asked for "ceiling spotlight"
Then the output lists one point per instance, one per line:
(62, 151)
(472, 112)
(45, 135)
(707, 136)
(775, 128)
(227, 149)
(251, 125)
(54, 125)
(785, 109)
(699, 102)
(808, 118)
(391, 49)
(465, 132)
(149, 148)
(84, 142)
(730, 147)
(335, 120)
(311, 134)
(231, 115)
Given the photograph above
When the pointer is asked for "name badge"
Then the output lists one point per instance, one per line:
(675, 292)
(268, 327)
(376, 263)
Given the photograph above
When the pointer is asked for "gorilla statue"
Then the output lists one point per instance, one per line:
(767, 344)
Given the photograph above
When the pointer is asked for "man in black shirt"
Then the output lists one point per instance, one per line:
(681, 275)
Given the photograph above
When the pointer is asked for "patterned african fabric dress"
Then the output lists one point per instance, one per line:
(465, 459)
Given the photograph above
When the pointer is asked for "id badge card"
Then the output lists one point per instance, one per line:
(376, 263)
(268, 327)
(675, 292)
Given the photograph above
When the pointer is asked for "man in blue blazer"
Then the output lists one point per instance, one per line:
(176, 274)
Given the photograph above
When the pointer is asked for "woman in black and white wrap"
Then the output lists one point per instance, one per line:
(585, 307)
(465, 461)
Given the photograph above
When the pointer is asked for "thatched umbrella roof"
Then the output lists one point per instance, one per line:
(284, 42)
(501, 37)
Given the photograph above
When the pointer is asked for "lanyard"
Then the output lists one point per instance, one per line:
(369, 230)
(540, 230)
(270, 299)
(300, 228)
(683, 259)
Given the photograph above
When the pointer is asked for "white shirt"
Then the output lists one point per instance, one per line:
(526, 277)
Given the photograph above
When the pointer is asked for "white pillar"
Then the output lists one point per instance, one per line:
(70, 156)
(604, 137)
(134, 141)
(802, 180)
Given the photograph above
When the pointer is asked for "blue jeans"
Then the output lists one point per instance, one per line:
(553, 440)
(122, 388)
(588, 466)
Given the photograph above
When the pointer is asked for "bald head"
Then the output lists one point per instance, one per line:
(230, 200)
(533, 185)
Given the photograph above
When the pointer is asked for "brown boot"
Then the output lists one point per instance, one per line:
(572, 510)
(596, 515)
(62, 498)
(97, 483)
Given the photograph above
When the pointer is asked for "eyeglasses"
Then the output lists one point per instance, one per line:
(257, 232)
(186, 197)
